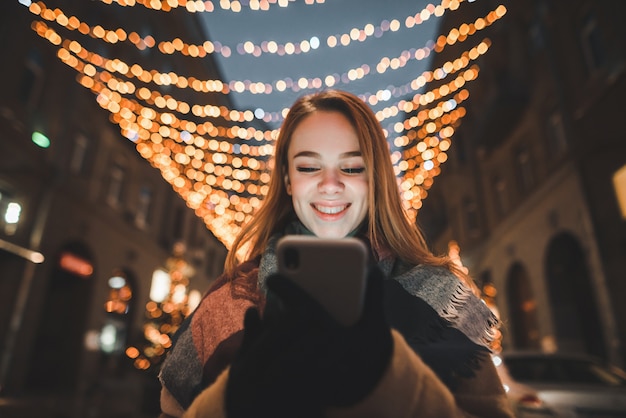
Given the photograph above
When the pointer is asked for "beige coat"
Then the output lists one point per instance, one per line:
(408, 389)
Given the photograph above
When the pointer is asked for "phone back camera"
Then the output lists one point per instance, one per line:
(292, 258)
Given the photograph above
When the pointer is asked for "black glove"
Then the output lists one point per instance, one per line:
(298, 360)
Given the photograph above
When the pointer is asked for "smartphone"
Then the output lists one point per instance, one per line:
(332, 271)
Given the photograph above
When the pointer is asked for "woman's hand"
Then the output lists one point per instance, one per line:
(297, 360)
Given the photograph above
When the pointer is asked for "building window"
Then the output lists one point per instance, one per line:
(591, 43)
(144, 204)
(501, 195)
(458, 147)
(470, 209)
(557, 139)
(178, 223)
(116, 182)
(120, 294)
(10, 210)
(537, 36)
(524, 166)
(118, 305)
(77, 159)
(32, 80)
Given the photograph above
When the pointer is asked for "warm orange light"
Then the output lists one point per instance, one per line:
(76, 265)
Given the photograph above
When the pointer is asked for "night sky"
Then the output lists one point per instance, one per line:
(300, 21)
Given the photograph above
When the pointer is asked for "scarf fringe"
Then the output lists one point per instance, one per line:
(491, 332)
(453, 312)
(458, 299)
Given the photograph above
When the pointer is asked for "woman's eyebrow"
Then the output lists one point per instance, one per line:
(313, 154)
(307, 154)
(351, 154)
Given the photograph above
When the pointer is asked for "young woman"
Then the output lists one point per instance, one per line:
(259, 347)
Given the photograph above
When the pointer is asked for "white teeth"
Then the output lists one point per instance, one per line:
(330, 210)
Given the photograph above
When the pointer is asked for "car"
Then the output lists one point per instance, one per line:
(561, 385)
(524, 400)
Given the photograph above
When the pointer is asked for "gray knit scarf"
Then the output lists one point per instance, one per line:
(437, 286)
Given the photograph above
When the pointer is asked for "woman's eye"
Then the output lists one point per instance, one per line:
(307, 169)
(353, 170)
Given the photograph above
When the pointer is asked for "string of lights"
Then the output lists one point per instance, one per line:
(460, 34)
(368, 31)
(419, 100)
(158, 141)
(208, 110)
(200, 6)
(222, 171)
(208, 186)
(212, 111)
(243, 48)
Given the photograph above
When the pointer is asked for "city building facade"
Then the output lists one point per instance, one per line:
(533, 190)
(86, 222)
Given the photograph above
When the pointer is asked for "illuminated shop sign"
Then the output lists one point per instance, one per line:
(75, 265)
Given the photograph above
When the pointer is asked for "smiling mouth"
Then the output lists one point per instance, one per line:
(330, 210)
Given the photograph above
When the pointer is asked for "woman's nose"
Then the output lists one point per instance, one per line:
(330, 182)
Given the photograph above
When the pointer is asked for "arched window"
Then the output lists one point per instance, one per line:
(522, 309)
(572, 295)
(118, 307)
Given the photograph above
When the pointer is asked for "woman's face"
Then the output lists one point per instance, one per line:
(326, 175)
